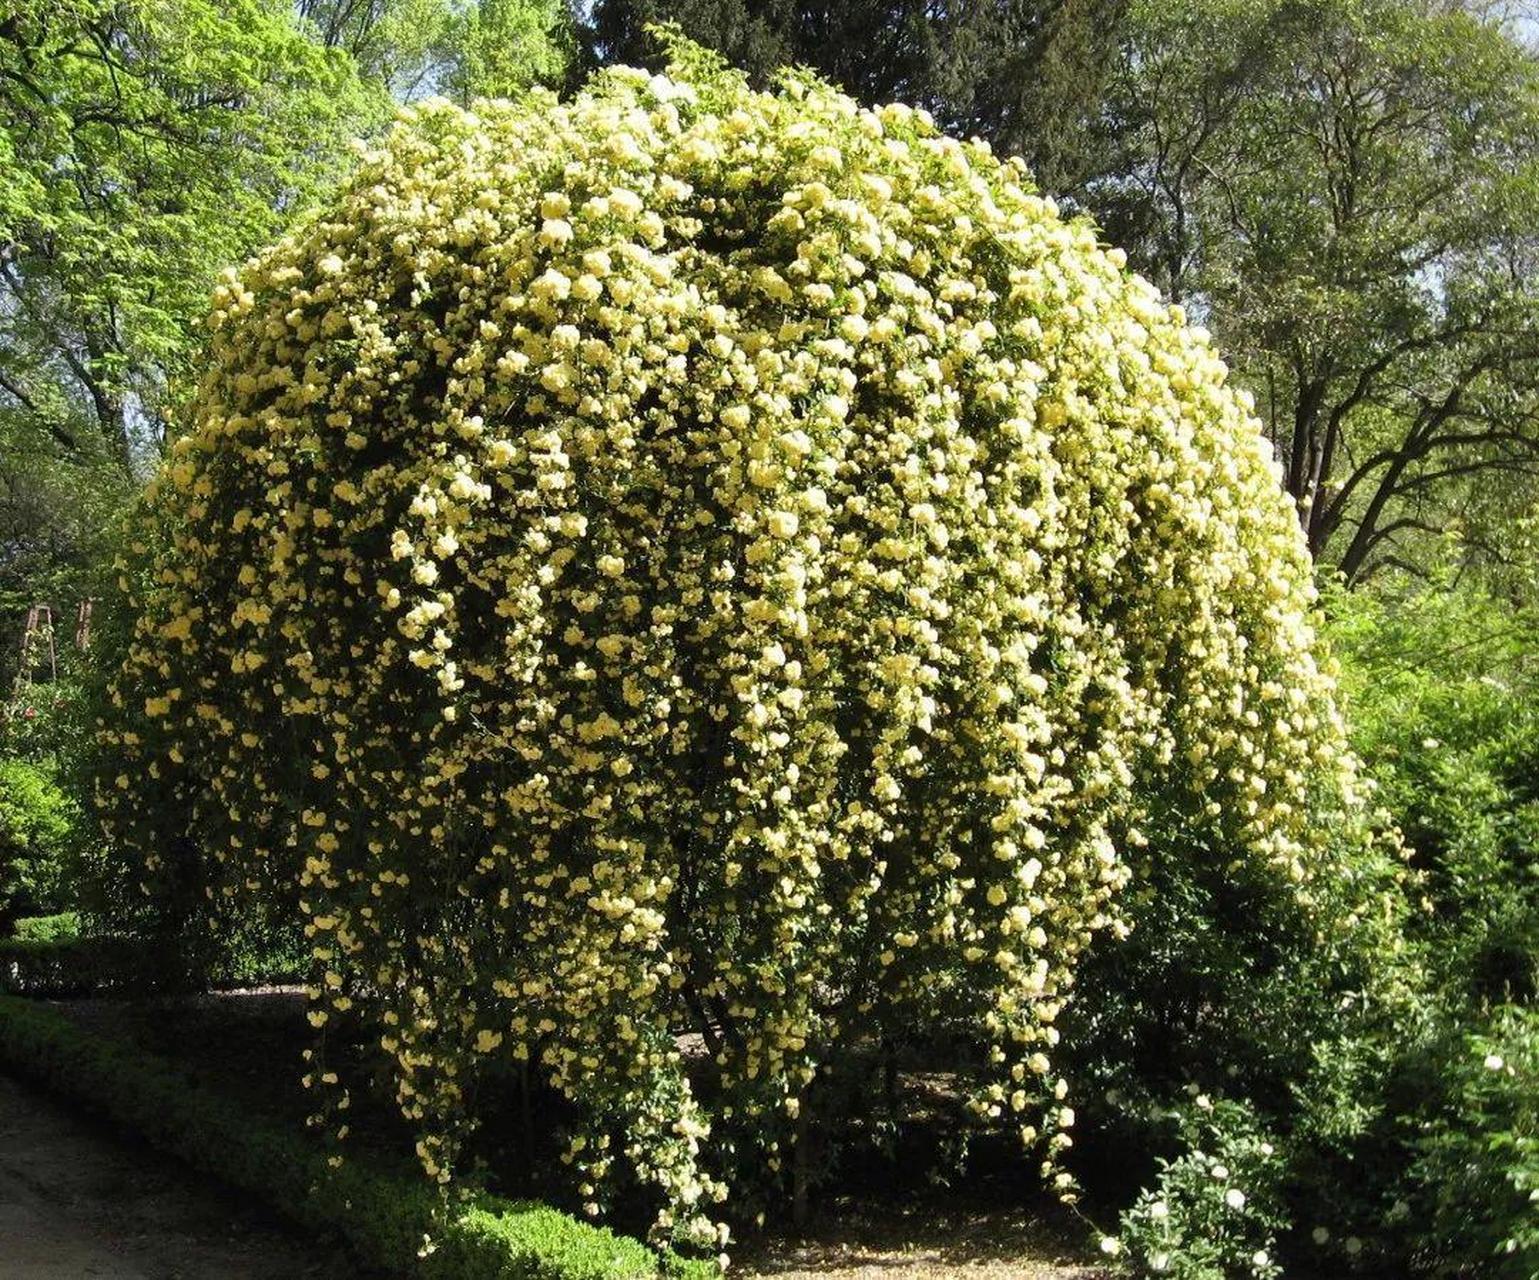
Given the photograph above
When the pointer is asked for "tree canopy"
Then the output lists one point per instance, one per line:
(1025, 74)
(1346, 189)
(696, 560)
(143, 147)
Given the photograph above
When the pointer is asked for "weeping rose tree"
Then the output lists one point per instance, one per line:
(680, 589)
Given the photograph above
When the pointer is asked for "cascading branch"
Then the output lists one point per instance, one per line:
(691, 560)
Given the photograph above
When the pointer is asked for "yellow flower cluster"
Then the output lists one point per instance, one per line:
(690, 560)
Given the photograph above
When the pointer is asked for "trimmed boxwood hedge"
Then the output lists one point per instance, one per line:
(384, 1218)
(37, 964)
(65, 966)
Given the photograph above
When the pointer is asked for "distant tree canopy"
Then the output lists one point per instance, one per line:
(1025, 74)
(1348, 190)
(144, 146)
(458, 48)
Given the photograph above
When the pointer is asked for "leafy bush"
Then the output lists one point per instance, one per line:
(56, 967)
(1444, 692)
(62, 927)
(689, 559)
(391, 1222)
(1433, 1148)
(1216, 1207)
(1227, 985)
(37, 823)
(47, 722)
(1474, 1184)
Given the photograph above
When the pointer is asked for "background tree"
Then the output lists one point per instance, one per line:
(459, 48)
(147, 146)
(1025, 74)
(1346, 189)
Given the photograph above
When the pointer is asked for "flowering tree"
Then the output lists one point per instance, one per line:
(691, 560)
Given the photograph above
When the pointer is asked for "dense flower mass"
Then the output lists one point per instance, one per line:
(697, 560)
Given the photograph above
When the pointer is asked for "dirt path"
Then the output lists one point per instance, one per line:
(930, 1244)
(79, 1203)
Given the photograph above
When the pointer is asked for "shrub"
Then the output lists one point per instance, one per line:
(56, 967)
(1422, 1156)
(694, 560)
(37, 822)
(62, 927)
(1216, 1207)
(1444, 692)
(1473, 1189)
(48, 722)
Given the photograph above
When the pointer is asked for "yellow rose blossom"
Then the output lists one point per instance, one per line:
(757, 581)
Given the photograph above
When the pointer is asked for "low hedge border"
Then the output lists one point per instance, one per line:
(64, 966)
(52, 967)
(384, 1218)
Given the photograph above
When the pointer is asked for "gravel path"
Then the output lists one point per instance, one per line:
(77, 1202)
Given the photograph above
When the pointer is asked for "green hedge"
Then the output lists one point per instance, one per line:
(64, 966)
(37, 963)
(383, 1217)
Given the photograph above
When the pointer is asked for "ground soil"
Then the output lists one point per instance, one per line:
(928, 1242)
(77, 1200)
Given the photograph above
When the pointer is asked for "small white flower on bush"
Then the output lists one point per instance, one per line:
(1196, 1222)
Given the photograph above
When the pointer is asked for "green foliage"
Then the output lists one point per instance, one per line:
(1227, 980)
(503, 48)
(1236, 989)
(49, 723)
(143, 146)
(394, 1223)
(1216, 1207)
(150, 144)
(56, 520)
(1024, 76)
(1422, 1131)
(62, 967)
(1442, 686)
(61, 927)
(1475, 1178)
(1346, 188)
(461, 48)
(37, 824)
